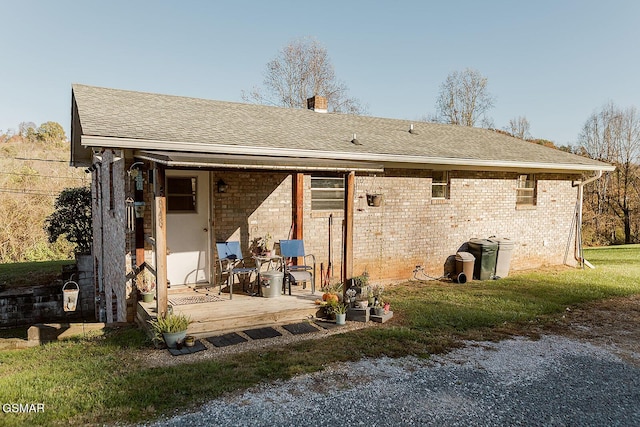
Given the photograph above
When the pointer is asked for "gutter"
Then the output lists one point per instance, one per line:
(158, 145)
(578, 251)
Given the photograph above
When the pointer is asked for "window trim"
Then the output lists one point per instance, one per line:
(316, 190)
(445, 183)
(194, 194)
(530, 196)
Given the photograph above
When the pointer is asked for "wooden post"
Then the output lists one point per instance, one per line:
(298, 205)
(161, 240)
(139, 224)
(347, 238)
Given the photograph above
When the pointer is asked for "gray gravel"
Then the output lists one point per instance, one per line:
(554, 381)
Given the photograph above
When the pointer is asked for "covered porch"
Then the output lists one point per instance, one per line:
(222, 314)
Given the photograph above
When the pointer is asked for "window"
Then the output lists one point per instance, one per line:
(440, 185)
(327, 193)
(526, 190)
(181, 194)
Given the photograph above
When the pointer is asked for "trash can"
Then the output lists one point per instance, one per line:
(271, 282)
(485, 251)
(464, 264)
(505, 250)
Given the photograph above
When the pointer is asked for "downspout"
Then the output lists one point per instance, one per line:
(578, 252)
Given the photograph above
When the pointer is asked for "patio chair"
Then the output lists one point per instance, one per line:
(231, 264)
(290, 249)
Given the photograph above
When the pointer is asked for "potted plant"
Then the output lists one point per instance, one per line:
(172, 328)
(146, 284)
(374, 199)
(340, 310)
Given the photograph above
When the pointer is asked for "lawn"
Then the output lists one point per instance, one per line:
(29, 273)
(99, 379)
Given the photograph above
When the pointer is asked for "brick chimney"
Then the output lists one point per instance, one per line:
(317, 103)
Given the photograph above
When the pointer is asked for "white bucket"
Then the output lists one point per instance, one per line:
(70, 296)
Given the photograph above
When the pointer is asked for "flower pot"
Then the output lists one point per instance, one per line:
(378, 311)
(172, 338)
(363, 304)
(374, 200)
(189, 341)
(341, 318)
(147, 297)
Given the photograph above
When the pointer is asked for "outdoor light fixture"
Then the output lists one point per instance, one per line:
(222, 186)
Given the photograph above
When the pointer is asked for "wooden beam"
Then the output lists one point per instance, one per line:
(347, 238)
(161, 241)
(298, 205)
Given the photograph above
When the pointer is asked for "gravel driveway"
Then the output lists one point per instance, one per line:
(558, 380)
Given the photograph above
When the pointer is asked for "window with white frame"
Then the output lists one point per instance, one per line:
(181, 194)
(327, 193)
(440, 185)
(526, 190)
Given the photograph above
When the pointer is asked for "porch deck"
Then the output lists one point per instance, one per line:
(237, 314)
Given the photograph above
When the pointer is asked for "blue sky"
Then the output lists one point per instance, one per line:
(553, 61)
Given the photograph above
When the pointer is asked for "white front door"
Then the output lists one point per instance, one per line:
(187, 227)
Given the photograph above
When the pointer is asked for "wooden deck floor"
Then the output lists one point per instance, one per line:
(240, 313)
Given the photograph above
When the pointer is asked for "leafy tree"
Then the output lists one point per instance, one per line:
(613, 135)
(302, 69)
(72, 219)
(51, 132)
(464, 99)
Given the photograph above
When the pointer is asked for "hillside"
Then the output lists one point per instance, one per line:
(31, 176)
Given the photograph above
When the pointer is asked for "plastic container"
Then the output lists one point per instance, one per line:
(485, 251)
(464, 264)
(505, 251)
(271, 282)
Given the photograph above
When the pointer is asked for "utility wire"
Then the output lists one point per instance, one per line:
(43, 176)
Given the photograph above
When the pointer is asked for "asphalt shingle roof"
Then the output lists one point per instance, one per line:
(154, 117)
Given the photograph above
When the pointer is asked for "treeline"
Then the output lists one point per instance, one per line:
(34, 169)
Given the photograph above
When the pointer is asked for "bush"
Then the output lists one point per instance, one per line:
(72, 219)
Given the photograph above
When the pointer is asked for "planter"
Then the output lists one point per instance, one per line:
(363, 304)
(374, 200)
(172, 338)
(378, 311)
(341, 318)
(189, 341)
(147, 296)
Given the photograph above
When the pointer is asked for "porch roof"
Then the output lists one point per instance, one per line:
(290, 137)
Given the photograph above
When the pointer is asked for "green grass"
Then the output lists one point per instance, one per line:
(30, 273)
(102, 379)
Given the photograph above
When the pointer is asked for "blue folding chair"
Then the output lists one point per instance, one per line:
(306, 272)
(231, 264)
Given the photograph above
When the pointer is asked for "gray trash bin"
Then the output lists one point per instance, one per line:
(505, 250)
(485, 252)
(271, 282)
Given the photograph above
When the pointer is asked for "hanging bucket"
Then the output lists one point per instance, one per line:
(70, 296)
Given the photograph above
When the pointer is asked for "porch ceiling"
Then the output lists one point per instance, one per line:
(234, 161)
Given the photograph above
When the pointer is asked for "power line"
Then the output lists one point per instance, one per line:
(43, 176)
(26, 192)
(38, 160)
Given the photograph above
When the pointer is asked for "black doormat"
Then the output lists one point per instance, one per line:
(226, 340)
(327, 324)
(300, 328)
(262, 333)
(198, 346)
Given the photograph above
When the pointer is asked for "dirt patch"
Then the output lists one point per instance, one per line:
(611, 323)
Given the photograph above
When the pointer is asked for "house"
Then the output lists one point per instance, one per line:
(200, 171)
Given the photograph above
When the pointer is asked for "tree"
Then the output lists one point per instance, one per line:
(464, 99)
(302, 69)
(519, 127)
(27, 131)
(50, 132)
(72, 218)
(613, 135)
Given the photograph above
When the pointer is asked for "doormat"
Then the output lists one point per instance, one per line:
(262, 333)
(194, 299)
(198, 346)
(226, 340)
(300, 328)
(327, 324)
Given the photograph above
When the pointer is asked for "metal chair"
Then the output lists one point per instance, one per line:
(306, 272)
(231, 263)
